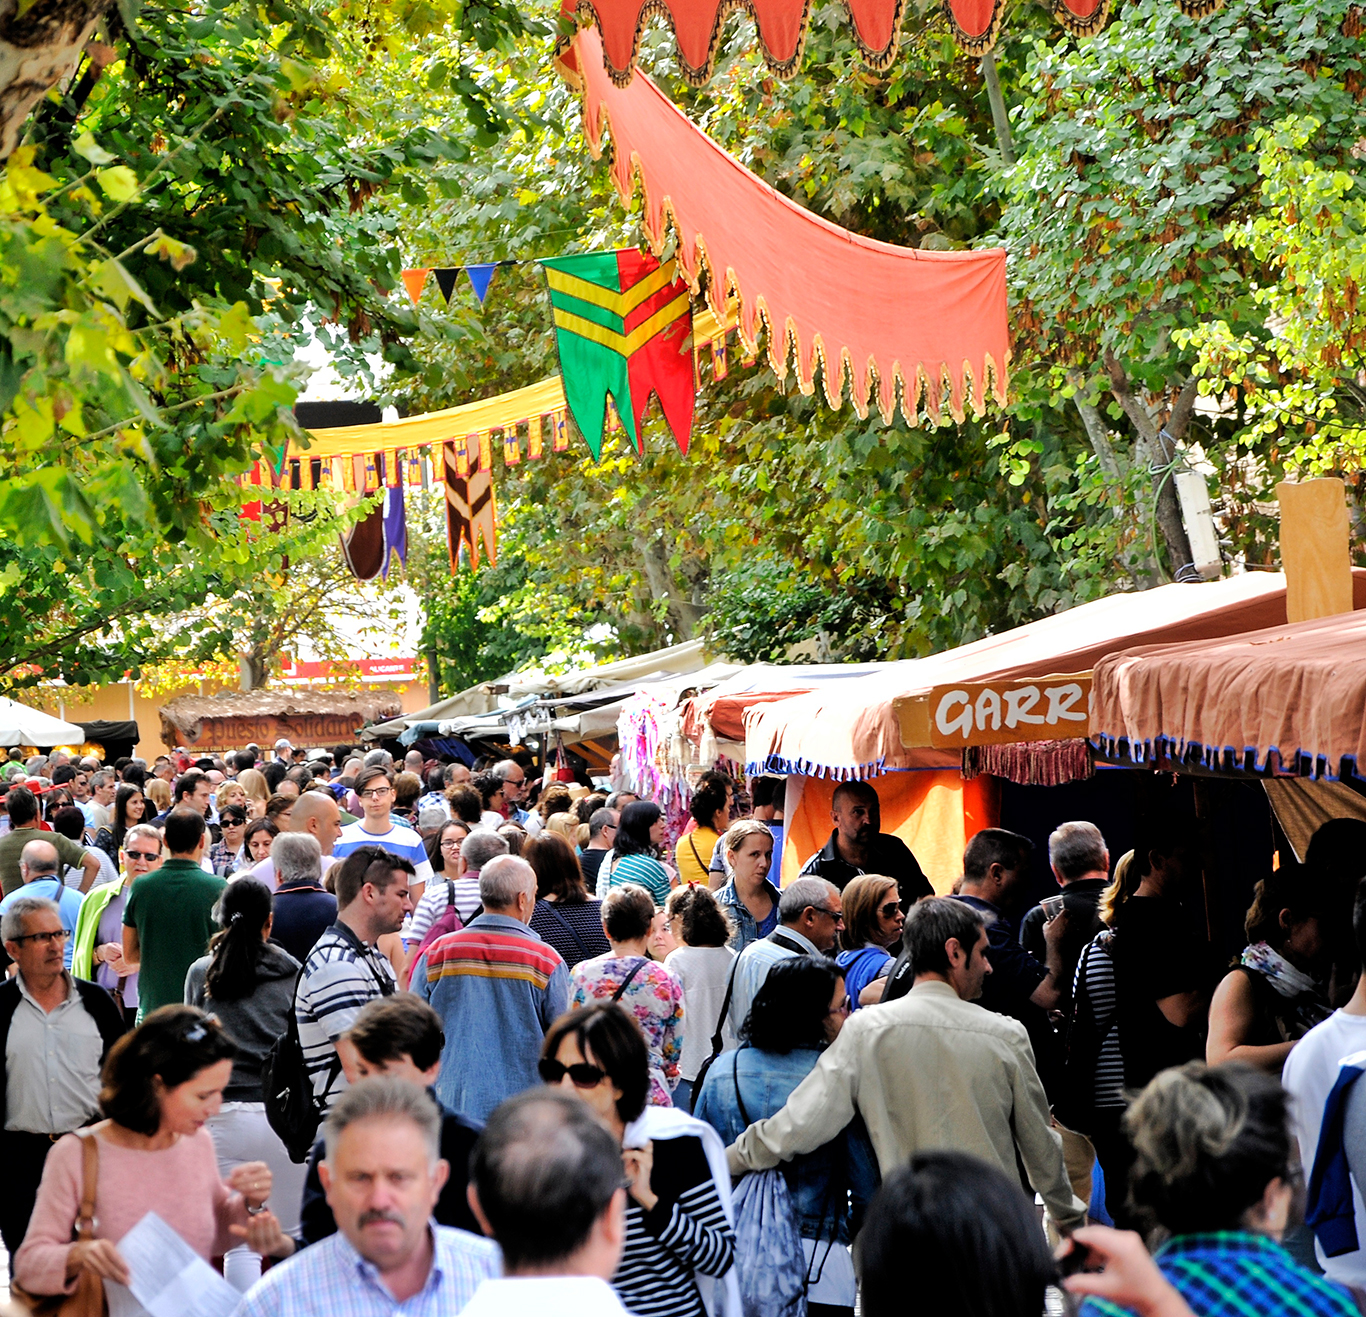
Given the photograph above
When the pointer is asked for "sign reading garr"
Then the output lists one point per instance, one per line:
(998, 712)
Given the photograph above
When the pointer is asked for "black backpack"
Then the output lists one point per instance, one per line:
(292, 1109)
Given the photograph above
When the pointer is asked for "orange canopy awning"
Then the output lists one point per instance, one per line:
(1287, 698)
(852, 731)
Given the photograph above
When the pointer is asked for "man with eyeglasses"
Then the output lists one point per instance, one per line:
(810, 916)
(62, 1029)
(98, 944)
(38, 871)
(375, 787)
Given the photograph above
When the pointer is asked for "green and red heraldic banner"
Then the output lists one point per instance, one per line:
(624, 326)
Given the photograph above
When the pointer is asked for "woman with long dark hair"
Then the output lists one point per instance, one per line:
(130, 807)
(247, 982)
(635, 853)
(797, 1014)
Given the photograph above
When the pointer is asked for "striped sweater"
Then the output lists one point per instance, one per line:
(498, 988)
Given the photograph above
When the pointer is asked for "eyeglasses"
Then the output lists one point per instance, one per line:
(889, 910)
(374, 793)
(581, 1074)
(149, 856)
(453, 845)
(60, 935)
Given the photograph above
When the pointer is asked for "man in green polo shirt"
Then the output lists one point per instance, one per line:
(23, 817)
(168, 920)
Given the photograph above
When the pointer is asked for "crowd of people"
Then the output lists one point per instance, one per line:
(550, 1059)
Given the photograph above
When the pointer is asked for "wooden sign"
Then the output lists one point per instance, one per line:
(311, 730)
(1053, 708)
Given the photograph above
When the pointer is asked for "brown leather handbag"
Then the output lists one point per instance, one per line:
(88, 1299)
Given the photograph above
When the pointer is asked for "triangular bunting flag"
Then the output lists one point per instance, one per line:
(445, 280)
(413, 281)
(622, 322)
(480, 278)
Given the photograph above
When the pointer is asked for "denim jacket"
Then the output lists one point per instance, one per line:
(746, 926)
(819, 1181)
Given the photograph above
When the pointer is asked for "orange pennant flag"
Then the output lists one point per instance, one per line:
(414, 280)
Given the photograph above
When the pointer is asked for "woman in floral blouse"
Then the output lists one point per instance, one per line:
(652, 995)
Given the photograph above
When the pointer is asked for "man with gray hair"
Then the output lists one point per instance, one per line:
(382, 1175)
(38, 870)
(810, 917)
(513, 776)
(61, 1030)
(497, 987)
(1080, 861)
(378, 759)
(304, 910)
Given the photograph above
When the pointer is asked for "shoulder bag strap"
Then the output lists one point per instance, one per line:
(569, 928)
(740, 1101)
(626, 982)
(450, 893)
(787, 943)
(692, 846)
(725, 1010)
(90, 1162)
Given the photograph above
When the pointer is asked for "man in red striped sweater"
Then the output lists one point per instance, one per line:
(497, 987)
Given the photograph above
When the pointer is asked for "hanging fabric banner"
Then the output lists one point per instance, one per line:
(470, 516)
(622, 323)
(395, 519)
(533, 439)
(480, 276)
(886, 325)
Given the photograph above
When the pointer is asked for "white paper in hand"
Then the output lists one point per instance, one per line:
(167, 1278)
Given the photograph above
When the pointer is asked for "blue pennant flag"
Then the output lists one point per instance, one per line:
(480, 278)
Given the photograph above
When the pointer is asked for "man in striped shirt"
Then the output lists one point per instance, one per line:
(497, 987)
(375, 787)
(345, 969)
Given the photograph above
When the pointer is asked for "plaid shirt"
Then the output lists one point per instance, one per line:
(1236, 1274)
(330, 1279)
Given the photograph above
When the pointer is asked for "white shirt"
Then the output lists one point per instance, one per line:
(704, 973)
(1310, 1072)
(537, 1296)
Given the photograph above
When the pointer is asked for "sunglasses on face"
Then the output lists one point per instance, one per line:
(149, 856)
(890, 910)
(581, 1075)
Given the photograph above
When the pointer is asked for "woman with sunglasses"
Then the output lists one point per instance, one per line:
(162, 1083)
(797, 1014)
(678, 1215)
(871, 936)
(97, 948)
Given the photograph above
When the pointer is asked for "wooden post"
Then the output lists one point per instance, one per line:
(1316, 548)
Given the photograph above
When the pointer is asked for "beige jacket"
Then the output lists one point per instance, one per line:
(928, 1071)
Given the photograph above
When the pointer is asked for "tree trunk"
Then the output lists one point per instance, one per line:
(683, 613)
(1157, 447)
(1000, 117)
(37, 50)
(253, 669)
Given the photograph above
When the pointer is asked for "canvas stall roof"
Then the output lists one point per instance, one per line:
(1286, 698)
(851, 730)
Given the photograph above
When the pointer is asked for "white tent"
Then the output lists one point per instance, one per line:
(20, 725)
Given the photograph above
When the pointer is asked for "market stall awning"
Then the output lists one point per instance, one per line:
(21, 725)
(1288, 699)
(854, 730)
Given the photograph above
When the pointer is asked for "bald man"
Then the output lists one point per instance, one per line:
(38, 868)
(315, 813)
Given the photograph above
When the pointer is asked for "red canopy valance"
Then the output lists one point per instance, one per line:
(934, 320)
(697, 26)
